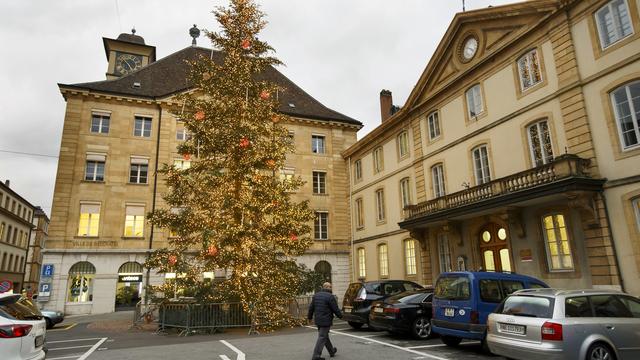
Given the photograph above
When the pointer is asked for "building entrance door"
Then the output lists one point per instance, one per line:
(129, 287)
(494, 248)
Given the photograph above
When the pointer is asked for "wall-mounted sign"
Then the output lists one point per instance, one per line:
(129, 278)
(5, 286)
(526, 255)
(47, 270)
(44, 290)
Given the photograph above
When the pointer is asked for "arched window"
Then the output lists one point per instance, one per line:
(540, 147)
(362, 268)
(81, 277)
(410, 257)
(131, 267)
(627, 112)
(481, 164)
(383, 260)
(324, 268)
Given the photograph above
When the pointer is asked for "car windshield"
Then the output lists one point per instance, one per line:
(409, 297)
(530, 306)
(452, 288)
(17, 307)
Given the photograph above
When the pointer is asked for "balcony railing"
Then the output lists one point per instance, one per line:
(564, 166)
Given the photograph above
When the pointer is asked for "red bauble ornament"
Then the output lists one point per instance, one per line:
(264, 95)
(244, 142)
(293, 237)
(186, 157)
(199, 115)
(172, 260)
(212, 250)
(275, 119)
(270, 163)
(246, 44)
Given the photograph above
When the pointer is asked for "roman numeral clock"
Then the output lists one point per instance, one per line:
(127, 63)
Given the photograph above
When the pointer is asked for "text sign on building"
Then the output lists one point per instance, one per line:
(44, 291)
(129, 278)
(47, 270)
(5, 285)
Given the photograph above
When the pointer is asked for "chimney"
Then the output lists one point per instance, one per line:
(7, 183)
(386, 104)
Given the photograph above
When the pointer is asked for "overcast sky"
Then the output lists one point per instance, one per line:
(342, 52)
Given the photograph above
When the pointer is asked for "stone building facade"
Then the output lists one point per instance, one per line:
(118, 132)
(16, 215)
(522, 152)
(37, 241)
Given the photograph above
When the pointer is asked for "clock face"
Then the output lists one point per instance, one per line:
(470, 48)
(126, 63)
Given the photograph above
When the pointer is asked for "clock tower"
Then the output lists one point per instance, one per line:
(126, 54)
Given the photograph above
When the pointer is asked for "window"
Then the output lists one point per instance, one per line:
(321, 226)
(89, 219)
(481, 165)
(529, 70)
(380, 216)
(139, 170)
(94, 170)
(437, 178)
(100, 123)
(2, 230)
(626, 106)
(474, 101)
(317, 144)
(453, 287)
(614, 23)
(434, 125)
(291, 138)
(287, 174)
(403, 144)
(635, 203)
(490, 291)
(511, 286)
(357, 169)
(557, 243)
(577, 307)
(142, 127)
(632, 304)
(81, 277)
(383, 260)
(362, 268)
(181, 164)
(410, 256)
(540, 143)
(609, 306)
(359, 214)
(134, 221)
(378, 160)
(405, 192)
(319, 182)
(444, 252)
(8, 239)
(182, 134)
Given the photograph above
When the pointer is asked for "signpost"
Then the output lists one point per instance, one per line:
(5, 286)
(44, 289)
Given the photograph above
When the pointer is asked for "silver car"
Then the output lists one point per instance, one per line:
(555, 324)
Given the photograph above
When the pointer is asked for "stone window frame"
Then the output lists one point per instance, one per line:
(520, 90)
(610, 117)
(321, 185)
(359, 213)
(146, 119)
(357, 170)
(572, 254)
(410, 265)
(135, 220)
(380, 259)
(377, 156)
(437, 194)
(381, 208)
(96, 159)
(399, 146)
(439, 244)
(473, 164)
(317, 221)
(318, 144)
(546, 159)
(99, 220)
(102, 114)
(594, 32)
(470, 119)
(138, 161)
(405, 180)
(433, 117)
(599, 25)
(361, 256)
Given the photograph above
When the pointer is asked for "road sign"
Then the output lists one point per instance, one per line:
(45, 290)
(5, 285)
(47, 270)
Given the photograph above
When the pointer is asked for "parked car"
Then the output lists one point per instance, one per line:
(22, 329)
(407, 312)
(462, 302)
(566, 324)
(52, 317)
(357, 300)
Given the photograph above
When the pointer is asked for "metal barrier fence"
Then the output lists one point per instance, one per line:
(212, 317)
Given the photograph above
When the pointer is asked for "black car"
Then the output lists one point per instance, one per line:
(356, 303)
(407, 312)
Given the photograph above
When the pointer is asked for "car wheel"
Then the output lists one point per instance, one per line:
(421, 328)
(600, 351)
(355, 325)
(49, 323)
(451, 340)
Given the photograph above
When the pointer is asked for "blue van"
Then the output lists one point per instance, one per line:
(463, 300)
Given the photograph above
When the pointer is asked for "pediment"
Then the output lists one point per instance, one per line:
(492, 28)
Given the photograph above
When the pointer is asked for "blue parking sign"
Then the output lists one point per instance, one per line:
(44, 291)
(47, 270)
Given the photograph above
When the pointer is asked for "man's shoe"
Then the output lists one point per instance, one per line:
(333, 353)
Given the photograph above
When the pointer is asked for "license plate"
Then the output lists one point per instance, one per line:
(449, 312)
(39, 341)
(378, 310)
(347, 309)
(511, 329)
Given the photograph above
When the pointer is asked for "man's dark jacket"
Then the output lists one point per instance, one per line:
(324, 305)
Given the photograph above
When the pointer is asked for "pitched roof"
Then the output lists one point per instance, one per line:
(169, 76)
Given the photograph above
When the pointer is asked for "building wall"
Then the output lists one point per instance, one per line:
(34, 255)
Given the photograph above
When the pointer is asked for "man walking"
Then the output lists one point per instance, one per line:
(324, 306)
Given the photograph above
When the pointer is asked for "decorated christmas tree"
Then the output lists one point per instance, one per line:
(231, 209)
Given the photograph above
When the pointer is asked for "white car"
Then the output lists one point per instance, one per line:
(22, 329)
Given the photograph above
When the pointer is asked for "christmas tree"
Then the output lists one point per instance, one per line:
(231, 209)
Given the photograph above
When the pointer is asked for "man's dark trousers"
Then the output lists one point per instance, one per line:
(323, 340)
